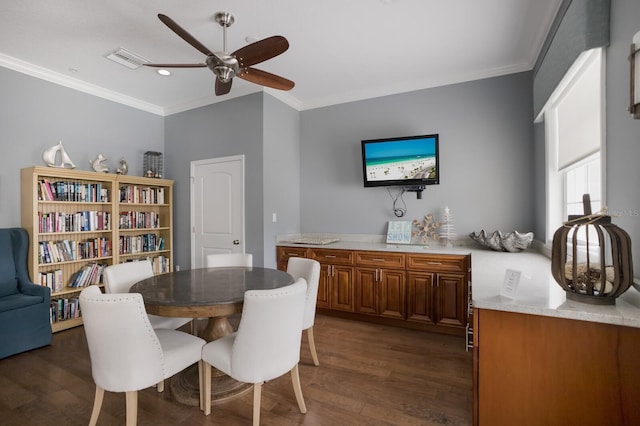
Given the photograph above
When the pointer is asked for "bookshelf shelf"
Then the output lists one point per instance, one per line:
(86, 208)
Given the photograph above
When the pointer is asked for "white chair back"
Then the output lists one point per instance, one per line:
(119, 278)
(229, 259)
(309, 269)
(267, 343)
(125, 352)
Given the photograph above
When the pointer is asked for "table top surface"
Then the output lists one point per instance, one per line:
(208, 286)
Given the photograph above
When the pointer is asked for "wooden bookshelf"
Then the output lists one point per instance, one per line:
(76, 219)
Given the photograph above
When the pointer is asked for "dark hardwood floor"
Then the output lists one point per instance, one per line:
(368, 375)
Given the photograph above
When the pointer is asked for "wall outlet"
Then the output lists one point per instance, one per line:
(274, 217)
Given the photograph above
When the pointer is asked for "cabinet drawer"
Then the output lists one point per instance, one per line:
(380, 259)
(336, 257)
(284, 253)
(437, 263)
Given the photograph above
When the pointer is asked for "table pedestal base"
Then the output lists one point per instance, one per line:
(184, 387)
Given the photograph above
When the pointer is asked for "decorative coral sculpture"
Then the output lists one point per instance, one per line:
(426, 228)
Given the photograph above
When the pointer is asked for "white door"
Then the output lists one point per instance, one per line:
(217, 208)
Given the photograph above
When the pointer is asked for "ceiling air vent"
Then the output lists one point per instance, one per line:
(127, 58)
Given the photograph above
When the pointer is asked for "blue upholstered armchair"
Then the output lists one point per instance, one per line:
(24, 306)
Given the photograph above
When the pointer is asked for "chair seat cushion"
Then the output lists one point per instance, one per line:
(8, 286)
(218, 353)
(179, 349)
(18, 301)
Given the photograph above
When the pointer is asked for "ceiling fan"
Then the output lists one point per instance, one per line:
(237, 64)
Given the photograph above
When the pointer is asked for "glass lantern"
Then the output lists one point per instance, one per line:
(591, 258)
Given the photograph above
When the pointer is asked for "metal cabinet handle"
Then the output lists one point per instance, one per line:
(330, 256)
(434, 263)
(378, 260)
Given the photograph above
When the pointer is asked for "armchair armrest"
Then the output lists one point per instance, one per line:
(32, 289)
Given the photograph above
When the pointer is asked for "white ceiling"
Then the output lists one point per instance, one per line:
(340, 51)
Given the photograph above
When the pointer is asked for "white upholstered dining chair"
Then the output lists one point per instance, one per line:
(119, 279)
(309, 269)
(126, 353)
(229, 259)
(266, 345)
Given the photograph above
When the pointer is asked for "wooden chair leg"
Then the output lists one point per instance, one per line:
(132, 408)
(257, 395)
(297, 389)
(201, 383)
(312, 346)
(97, 405)
(207, 388)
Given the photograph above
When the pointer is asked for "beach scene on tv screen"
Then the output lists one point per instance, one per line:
(401, 160)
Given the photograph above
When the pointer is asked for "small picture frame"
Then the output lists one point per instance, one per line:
(399, 232)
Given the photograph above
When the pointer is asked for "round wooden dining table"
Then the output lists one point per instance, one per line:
(211, 293)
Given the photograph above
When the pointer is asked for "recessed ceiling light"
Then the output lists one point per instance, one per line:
(164, 72)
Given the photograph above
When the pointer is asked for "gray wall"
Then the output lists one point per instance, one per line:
(232, 127)
(281, 173)
(623, 132)
(486, 157)
(622, 150)
(36, 114)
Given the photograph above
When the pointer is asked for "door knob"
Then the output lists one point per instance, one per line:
(236, 242)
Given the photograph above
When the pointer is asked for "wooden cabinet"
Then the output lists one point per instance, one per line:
(539, 370)
(380, 287)
(437, 289)
(79, 222)
(335, 290)
(421, 291)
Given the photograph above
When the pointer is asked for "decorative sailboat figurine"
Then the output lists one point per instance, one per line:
(49, 157)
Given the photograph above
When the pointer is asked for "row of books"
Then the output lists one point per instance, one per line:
(133, 220)
(87, 220)
(64, 309)
(141, 243)
(72, 191)
(52, 279)
(87, 275)
(142, 195)
(160, 264)
(70, 250)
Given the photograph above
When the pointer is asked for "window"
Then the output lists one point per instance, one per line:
(574, 133)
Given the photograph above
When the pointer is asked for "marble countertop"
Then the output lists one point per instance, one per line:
(537, 292)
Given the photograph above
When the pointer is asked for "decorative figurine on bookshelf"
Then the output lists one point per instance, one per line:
(49, 157)
(98, 164)
(124, 167)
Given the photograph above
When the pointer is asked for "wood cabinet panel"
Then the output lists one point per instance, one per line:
(451, 299)
(537, 370)
(380, 259)
(284, 253)
(342, 288)
(420, 300)
(392, 297)
(437, 263)
(333, 257)
(366, 291)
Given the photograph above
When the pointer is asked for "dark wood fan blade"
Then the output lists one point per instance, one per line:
(175, 65)
(264, 78)
(222, 88)
(260, 51)
(184, 34)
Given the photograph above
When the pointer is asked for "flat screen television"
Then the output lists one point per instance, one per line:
(410, 161)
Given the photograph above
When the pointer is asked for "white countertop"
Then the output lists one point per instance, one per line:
(537, 294)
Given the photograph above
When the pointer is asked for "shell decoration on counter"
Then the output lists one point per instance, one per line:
(511, 241)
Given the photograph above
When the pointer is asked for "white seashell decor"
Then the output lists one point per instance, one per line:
(511, 241)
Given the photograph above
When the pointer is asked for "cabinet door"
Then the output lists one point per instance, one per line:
(392, 294)
(323, 287)
(366, 291)
(451, 299)
(420, 297)
(342, 288)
